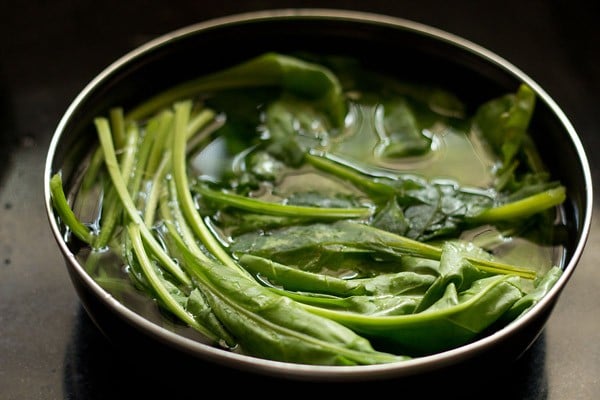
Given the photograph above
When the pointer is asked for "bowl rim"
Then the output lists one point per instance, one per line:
(303, 371)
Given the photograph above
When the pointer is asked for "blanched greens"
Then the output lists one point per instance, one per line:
(314, 213)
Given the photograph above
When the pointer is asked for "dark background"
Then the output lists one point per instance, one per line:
(49, 51)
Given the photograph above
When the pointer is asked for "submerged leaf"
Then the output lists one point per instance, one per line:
(401, 132)
(454, 319)
(275, 327)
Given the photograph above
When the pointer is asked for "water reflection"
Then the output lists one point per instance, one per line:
(95, 369)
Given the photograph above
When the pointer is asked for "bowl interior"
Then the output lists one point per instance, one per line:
(402, 48)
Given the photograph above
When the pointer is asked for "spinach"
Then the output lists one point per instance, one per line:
(307, 80)
(293, 251)
(504, 123)
(403, 136)
(456, 308)
(294, 279)
(432, 209)
(271, 208)
(345, 235)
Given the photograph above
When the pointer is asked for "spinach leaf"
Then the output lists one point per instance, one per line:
(443, 208)
(504, 122)
(345, 235)
(402, 134)
(293, 127)
(304, 79)
(385, 305)
(455, 319)
(274, 327)
(298, 280)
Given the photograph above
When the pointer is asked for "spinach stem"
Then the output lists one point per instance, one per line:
(370, 185)
(155, 281)
(117, 122)
(523, 208)
(182, 114)
(272, 208)
(61, 206)
(161, 126)
(113, 169)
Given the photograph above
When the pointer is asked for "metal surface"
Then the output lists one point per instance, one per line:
(48, 347)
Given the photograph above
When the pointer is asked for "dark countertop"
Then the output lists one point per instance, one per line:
(49, 349)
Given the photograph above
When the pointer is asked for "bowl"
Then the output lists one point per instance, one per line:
(421, 53)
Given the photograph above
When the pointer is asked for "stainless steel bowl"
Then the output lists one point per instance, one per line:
(390, 43)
